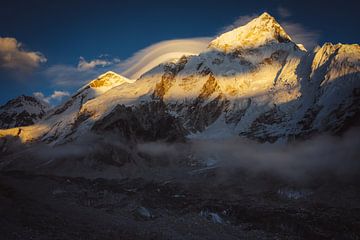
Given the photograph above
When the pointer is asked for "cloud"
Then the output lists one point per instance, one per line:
(14, 58)
(59, 94)
(300, 34)
(320, 155)
(284, 12)
(84, 65)
(155, 54)
(133, 67)
(239, 21)
(55, 97)
(67, 75)
(76, 76)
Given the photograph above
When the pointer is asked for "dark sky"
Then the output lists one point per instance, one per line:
(65, 30)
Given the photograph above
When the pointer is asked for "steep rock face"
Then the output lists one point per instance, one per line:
(252, 81)
(22, 111)
(144, 122)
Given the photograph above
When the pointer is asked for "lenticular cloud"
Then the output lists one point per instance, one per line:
(155, 54)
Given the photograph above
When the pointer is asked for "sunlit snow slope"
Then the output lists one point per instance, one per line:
(253, 81)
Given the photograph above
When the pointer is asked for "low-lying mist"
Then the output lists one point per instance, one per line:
(339, 156)
(334, 155)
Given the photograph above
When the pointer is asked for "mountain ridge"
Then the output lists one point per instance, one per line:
(269, 91)
(22, 111)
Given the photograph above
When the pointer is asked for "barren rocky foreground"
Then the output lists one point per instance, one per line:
(200, 205)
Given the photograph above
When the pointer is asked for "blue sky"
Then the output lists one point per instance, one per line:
(55, 34)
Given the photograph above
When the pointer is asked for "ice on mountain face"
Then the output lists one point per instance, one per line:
(258, 32)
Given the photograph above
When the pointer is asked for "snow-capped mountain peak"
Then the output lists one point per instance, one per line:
(94, 88)
(109, 79)
(100, 85)
(22, 111)
(258, 32)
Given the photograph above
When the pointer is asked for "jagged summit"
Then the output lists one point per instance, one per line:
(22, 111)
(109, 79)
(260, 31)
(91, 90)
(24, 102)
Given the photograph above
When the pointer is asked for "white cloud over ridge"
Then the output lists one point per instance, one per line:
(76, 76)
(84, 65)
(149, 57)
(14, 58)
(300, 34)
(239, 21)
(68, 75)
(56, 96)
(133, 67)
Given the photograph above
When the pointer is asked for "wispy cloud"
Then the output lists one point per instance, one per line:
(54, 98)
(151, 56)
(59, 95)
(337, 156)
(284, 12)
(239, 21)
(133, 67)
(84, 65)
(67, 75)
(300, 34)
(78, 75)
(14, 57)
